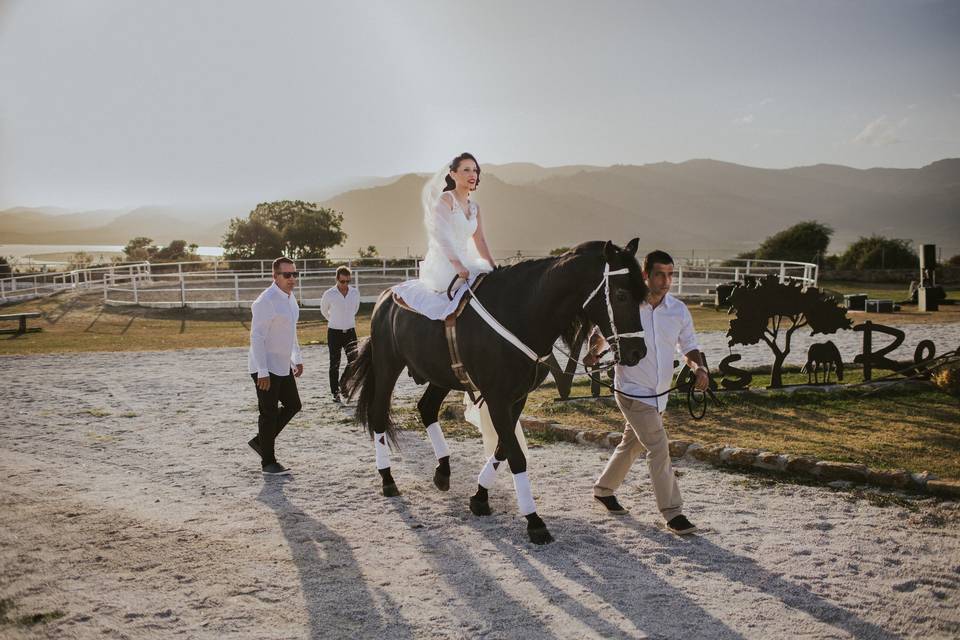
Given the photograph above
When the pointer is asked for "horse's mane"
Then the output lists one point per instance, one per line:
(543, 272)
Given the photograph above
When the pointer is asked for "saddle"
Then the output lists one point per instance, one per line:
(450, 329)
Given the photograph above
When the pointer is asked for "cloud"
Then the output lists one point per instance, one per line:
(882, 132)
(747, 119)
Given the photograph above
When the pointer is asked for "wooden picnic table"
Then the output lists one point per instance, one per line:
(22, 317)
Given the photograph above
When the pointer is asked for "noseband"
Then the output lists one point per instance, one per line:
(614, 339)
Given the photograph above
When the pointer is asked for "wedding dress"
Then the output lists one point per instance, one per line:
(450, 237)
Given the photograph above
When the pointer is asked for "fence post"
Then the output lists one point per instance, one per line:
(104, 289)
(706, 276)
(36, 290)
(748, 267)
(183, 291)
(384, 271)
(680, 280)
(261, 269)
(136, 293)
(867, 351)
(236, 288)
(783, 272)
(816, 274)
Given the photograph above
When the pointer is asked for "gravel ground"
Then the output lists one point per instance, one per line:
(133, 508)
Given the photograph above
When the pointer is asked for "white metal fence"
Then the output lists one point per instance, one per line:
(210, 285)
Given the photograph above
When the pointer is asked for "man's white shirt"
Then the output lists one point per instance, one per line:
(668, 329)
(340, 310)
(273, 334)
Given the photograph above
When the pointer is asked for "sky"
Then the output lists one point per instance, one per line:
(112, 103)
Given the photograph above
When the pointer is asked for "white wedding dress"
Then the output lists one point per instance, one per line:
(450, 236)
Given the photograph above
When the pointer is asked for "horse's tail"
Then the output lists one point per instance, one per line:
(360, 375)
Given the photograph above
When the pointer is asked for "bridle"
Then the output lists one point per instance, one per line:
(614, 339)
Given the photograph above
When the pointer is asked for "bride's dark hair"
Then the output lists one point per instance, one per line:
(451, 185)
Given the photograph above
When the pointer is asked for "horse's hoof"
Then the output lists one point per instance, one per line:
(390, 490)
(442, 481)
(479, 507)
(540, 535)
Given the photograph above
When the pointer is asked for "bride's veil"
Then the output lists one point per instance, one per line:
(429, 197)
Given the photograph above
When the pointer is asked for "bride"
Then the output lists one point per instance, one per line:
(455, 244)
(456, 248)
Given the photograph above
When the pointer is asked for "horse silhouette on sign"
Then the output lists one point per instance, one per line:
(826, 357)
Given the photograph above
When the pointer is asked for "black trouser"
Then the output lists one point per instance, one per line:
(283, 391)
(340, 340)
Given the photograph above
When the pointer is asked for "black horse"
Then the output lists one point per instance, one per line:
(538, 301)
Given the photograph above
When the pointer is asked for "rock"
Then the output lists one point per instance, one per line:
(840, 484)
(771, 461)
(921, 479)
(740, 457)
(841, 471)
(799, 464)
(590, 437)
(614, 438)
(897, 478)
(946, 488)
(678, 448)
(708, 453)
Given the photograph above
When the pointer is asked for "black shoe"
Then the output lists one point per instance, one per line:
(680, 525)
(254, 443)
(612, 506)
(275, 469)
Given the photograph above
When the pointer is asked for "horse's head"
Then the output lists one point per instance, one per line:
(614, 305)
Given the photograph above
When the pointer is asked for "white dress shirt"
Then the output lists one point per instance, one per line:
(668, 329)
(273, 334)
(339, 309)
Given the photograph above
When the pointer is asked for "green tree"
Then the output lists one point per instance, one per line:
(369, 252)
(878, 252)
(5, 269)
(803, 242)
(766, 306)
(176, 251)
(139, 248)
(293, 228)
(246, 239)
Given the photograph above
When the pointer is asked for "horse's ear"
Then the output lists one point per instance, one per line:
(610, 252)
(631, 247)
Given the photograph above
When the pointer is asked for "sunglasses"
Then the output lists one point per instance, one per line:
(290, 274)
(347, 281)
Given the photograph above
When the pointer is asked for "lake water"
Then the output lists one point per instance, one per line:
(26, 250)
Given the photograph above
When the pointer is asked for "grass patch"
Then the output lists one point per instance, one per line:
(896, 428)
(99, 413)
(29, 620)
(74, 322)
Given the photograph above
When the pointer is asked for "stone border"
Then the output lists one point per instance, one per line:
(722, 455)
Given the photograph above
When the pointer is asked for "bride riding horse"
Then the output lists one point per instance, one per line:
(537, 302)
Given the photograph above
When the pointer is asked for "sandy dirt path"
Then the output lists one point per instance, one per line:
(133, 506)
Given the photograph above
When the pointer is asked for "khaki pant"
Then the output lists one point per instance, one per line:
(643, 432)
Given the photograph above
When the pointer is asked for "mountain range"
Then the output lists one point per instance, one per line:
(699, 205)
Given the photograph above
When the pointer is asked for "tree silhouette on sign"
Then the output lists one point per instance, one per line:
(766, 306)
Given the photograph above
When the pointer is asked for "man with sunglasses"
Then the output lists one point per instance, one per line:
(275, 361)
(339, 305)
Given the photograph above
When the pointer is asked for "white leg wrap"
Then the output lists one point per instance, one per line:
(439, 443)
(383, 451)
(488, 475)
(521, 484)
